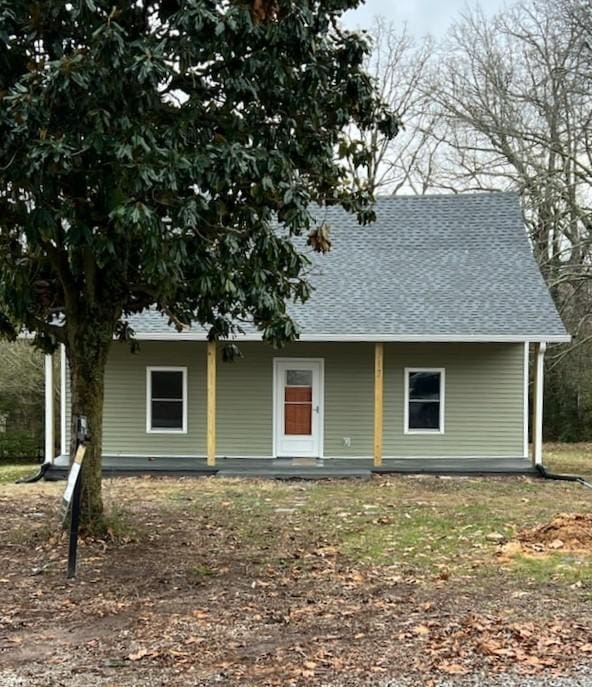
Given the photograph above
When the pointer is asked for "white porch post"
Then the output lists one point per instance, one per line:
(63, 443)
(49, 416)
(537, 429)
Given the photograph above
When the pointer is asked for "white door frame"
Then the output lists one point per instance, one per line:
(276, 396)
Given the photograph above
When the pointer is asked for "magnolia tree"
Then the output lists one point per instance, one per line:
(148, 152)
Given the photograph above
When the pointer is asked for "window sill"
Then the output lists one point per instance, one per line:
(424, 431)
(166, 431)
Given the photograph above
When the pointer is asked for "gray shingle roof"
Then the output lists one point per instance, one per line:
(439, 267)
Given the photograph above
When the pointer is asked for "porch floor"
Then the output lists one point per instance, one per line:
(307, 468)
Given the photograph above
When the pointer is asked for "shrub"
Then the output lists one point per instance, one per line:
(20, 446)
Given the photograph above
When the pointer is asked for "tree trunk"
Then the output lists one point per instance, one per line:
(87, 350)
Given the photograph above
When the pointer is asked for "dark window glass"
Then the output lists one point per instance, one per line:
(167, 414)
(424, 386)
(167, 399)
(424, 415)
(299, 377)
(167, 385)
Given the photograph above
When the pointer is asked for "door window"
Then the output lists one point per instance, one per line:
(298, 403)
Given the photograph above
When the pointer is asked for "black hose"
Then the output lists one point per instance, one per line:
(562, 476)
(35, 478)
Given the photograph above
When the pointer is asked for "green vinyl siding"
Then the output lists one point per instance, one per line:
(124, 424)
(484, 399)
(245, 398)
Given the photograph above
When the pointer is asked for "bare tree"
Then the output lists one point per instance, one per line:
(399, 63)
(506, 103)
(515, 99)
(516, 115)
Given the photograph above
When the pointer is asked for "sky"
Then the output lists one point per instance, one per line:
(422, 16)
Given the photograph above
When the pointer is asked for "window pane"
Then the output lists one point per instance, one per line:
(298, 394)
(299, 377)
(167, 384)
(424, 415)
(167, 414)
(424, 386)
(298, 419)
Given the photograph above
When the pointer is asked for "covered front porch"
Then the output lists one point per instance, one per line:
(214, 397)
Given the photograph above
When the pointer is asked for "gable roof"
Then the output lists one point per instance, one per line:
(431, 268)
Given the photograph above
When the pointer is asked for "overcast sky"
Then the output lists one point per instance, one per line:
(422, 16)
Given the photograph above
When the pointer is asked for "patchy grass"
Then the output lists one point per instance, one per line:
(119, 524)
(563, 567)
(571, 458)
(9, 473)
(411, 525)
(263, 583)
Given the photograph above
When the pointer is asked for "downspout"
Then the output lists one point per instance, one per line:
(538, 404)
(63, 434)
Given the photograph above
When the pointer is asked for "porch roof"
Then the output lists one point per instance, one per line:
(431, 268)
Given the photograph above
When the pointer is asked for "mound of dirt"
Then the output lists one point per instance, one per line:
(567, 531)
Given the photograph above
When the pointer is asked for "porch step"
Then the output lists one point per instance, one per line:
(289, 473)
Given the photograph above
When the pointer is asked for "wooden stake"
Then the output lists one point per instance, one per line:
(211, 403)
(378, 399)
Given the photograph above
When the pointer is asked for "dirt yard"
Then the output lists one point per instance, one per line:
(211, 581)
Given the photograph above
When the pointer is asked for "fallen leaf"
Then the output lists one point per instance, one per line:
(453, 668)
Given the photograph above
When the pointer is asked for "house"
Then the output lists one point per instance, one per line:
(414, 347)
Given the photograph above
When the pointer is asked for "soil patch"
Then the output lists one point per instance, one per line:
(567, 532)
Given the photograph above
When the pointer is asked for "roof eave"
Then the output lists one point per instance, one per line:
(369, 338)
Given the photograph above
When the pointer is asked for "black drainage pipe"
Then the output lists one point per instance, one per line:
(562, 476)
(35, 478)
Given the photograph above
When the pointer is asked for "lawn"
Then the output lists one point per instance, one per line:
(224, 581)
(11, 472)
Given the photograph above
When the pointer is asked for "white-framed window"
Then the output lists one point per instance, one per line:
(424, 400)
(166, 400)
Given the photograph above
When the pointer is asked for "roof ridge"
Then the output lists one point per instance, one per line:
(470, 194)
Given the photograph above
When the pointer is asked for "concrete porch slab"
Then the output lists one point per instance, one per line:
(299, 468)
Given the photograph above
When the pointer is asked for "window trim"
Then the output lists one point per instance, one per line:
(161, 430)
(442, 372)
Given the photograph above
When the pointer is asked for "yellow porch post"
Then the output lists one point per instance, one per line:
(378, 396)
(211, 403)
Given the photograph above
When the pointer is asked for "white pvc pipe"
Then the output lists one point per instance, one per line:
(538, 430)
(49, 418)
(63, 443)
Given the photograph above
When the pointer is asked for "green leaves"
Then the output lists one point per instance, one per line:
(148, 151)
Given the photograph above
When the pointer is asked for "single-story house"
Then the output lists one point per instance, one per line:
(414, 347)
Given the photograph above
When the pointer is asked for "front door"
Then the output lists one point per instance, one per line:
(298, 405)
